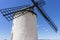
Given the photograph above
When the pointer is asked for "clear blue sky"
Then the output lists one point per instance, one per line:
(52, 8)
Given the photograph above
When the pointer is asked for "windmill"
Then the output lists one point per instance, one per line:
(24, 23)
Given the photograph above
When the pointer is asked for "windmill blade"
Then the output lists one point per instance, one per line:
(47, 18)
(9, 13)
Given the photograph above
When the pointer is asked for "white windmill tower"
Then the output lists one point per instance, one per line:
(24, 25)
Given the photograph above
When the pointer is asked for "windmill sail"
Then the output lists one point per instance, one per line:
(8, 12)
(47, 18)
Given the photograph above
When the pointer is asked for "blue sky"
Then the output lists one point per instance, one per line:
(52, 8)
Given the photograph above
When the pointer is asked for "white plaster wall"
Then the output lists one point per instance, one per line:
(25, 27)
